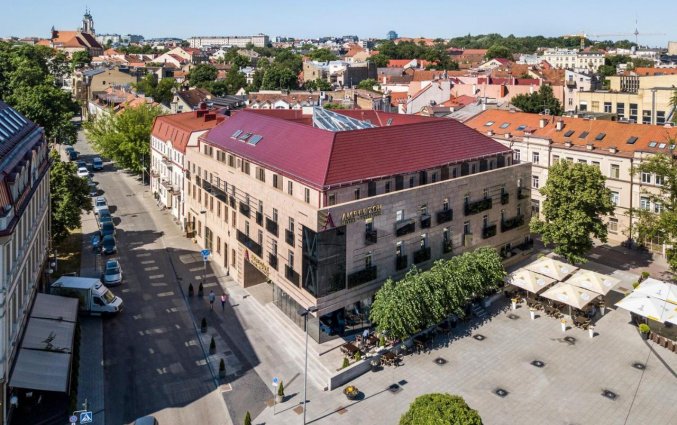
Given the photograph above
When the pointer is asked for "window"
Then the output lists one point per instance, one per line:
(245, 167)
(535, 157)
(424, 240)
(367, 260)
(612, 227)
(246, 228)
(306, 195)
(595, 164)
(607, 107)
(411, 182)
(646, 117)
(399, 215)
(466, 228)
(620, 110)
(387, 187)
(273, 249)
(275, 215)
(583, 135)
(357, 194)
(646, 178)
(488, 123)
(277, 182)
(582, 161)
(615, 171)
(600, 136)
(290, 259)
(505, 125)
(445, 205)
(615, 198)
(521, 127)
(260, 174)
(657, 207)
(332, 199)
(644, 203)
(660, 117)
(515, 156)
(291, 225)
(555, 158)
(534, 182)
(659, 180)
(652, 144)
(569, 133)
(631, 140)
(260, 237)
(633, 112)
(535, 206)
(231, 161)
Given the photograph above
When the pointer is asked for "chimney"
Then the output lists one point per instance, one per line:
(508, 135)
(613, 149)
(590, 146)
(559, 125)
(567, 143)
(542, 122)
(200, 113)
(490, 132)
(210, 116)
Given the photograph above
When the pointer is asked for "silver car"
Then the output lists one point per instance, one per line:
(100, 204)
(112, 274)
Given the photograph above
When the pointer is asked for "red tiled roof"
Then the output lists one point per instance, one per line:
(398, 63)
(616, 133)
(642, 71)
(179, 127)
(323, 159)
(398, 97)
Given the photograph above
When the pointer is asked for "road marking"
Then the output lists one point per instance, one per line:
(226, 388)
(151, 351)
(172, 310)
(165, 294)
(177, 326)
(161, 371)
(195, 269)
(156, 276)
(125, 290)
(137, 316)
(145, 254)
(190, 343)
(156, 284)
(207, 285)
(148, 269)
(201, 362)
(148, 262)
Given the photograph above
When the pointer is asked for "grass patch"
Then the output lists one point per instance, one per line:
(69, 254)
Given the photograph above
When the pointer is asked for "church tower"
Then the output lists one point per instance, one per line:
(88, 23)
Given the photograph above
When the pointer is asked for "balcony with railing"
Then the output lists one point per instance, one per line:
(425, 221)
(445, 216)
(505, 198)
(370, 237)
(244, 209)
(271, 226)
(401, 262)
(272, 260)
(477, 206)
(523, 193)
(249, 243)
(289, 237)
(362, 276)
(291, 275)
(422, 255)
(447, 246)
(404, 227)
(488, 231)
(512, 223)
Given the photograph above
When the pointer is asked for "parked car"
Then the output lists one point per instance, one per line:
(73, 155)
(108, 245)
(112, 274)
(83, 172)
(100, 204)
(82, 163)
(146, 420)
(104, 217)
(107, 228)
(93, 189)
(68, 149)
(97, 164)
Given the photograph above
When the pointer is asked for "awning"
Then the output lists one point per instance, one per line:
(49, 335)
(551, 268)
(529, 281)
(570, 295)
(55, 307)
(649, 307)
(593, 281)
(41, 370)
(658, 289)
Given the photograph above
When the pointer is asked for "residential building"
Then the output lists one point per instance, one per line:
(89, 82)
(24, 233)
(170, 137)
(117, 99)
(431, 93)
(189, 100)
(576, 82)
(640, 99)
(328, 205)
(614, 147)
(242, 42)
(582, 61)
(339, 73)
(283, 99)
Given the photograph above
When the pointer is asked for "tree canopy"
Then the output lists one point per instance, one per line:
(367, 84)
(124, 137)
(235, 80)
(576, 200)
(498, 51)
(437, 54)
(319, 84)
(160, 91)
(538, 102)
(202, 74)
(440, 409)
(322, 55)
(69, 196)
(80, 59)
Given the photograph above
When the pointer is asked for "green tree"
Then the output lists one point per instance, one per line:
(538, 102)
(661, 226)
(278, 77)
(322, 55)
(160, 91)
(69, 196)
(235, 80)
(576, 200)
(201, 75)
(498, 51)
(124, 137)
(319, 84)
(367, 84)
(380, 60)
(80, 59)
(440, 409)
(248, 418)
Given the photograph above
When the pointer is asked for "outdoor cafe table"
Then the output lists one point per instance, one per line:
(349, 348)
(388, 358)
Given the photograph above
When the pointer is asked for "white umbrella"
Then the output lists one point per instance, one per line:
(646, 306)
(551, 268)
(569, 294)
(529, 281)
(658, 289)
(593, 281)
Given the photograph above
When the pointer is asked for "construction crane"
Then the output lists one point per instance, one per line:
(636, 33)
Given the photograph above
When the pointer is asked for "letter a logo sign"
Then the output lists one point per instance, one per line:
(329, 222)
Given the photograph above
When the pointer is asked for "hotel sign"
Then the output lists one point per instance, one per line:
(361, 214)
(256, 262)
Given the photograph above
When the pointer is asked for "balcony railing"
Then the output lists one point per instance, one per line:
(505, 198)
(187, 174)
(259, 218)
(522, 193)
(231, 199)
(291, 275)
(363, 276)
(249, 243)
(403, 227)
(489, 231)
(447, 246)
(272, 260)
(425, 221)
(401, 262)
(271, 226)
(512, 222)
(244, 209)
(445, 216)
(289, 237)
(370, 237)
(422, 255)
(478, 206)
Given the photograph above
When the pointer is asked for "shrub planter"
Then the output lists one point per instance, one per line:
(200, 290)
(279, 398)
(351, 392)
(212, 346)
(375, 364)
(222, 369)
(644, 331)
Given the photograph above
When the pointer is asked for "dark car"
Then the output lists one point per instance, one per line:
(104, 217)
(108, 245)
(69, 149)
(73, 155)
(82, 163)
(107, 228)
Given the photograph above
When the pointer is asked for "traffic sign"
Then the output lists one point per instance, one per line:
(205, 254)
(73, 419)
(86, 417)
(275, 382)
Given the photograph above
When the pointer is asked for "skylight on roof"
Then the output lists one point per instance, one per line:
(505, 125)
(237, 133)
(661, 146)
(600, 136)
(568, 133)
(489, 124)
(521, 127)
(583, 135)
(255, 139)
(652, 144)
(631, 140)
(389, 122)
(672, 147)
(244, 136)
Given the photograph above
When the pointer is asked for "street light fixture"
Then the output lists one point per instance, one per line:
(304, 312)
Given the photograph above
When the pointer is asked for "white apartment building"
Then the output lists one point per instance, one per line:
(576, 82)
(614, 147)
(574, 59)
(24, 232)
(198, 42)
(170, 137)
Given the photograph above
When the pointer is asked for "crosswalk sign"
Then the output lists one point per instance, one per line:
(86, 417)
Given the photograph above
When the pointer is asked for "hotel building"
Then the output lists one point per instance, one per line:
(325, 206)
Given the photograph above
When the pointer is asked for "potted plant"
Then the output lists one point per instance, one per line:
(382, 341)
(346, 363)
(200, 290)
(375, 364)
(532, 312)
(222, 369)
(351, 392)
(645, 275)
(212, 346)
(248, 418)
(190, 289)
(203, 326)
(357, 356)
(513, 303)
(280, 393)
(635, 284)
(644, 330)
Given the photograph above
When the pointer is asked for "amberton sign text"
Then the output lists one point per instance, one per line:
(361, 214)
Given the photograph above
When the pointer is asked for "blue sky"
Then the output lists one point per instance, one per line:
(365, 18)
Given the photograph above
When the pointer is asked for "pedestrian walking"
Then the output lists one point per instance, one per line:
(224, 297)
(212, 298)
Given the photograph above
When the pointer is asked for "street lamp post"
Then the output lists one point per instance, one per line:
(304, 312)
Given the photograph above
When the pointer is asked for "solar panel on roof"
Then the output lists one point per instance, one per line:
(568, 133)
(255, 139)
(583, 135)
(600, 136)
(631, 140)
